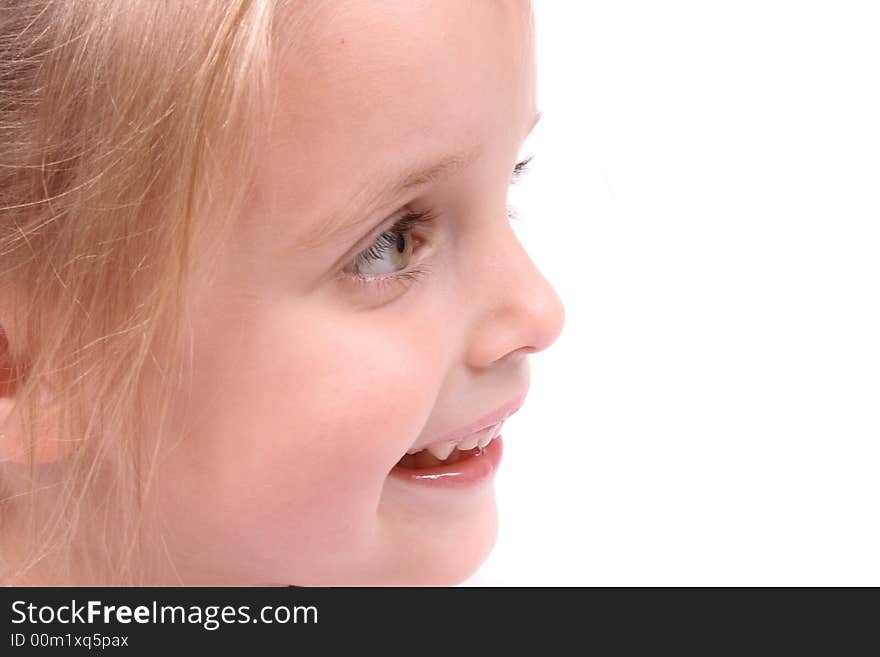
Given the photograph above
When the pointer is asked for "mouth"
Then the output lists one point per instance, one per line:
(467, 462)
(466, 457)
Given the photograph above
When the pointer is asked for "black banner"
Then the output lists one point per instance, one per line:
(147, 620)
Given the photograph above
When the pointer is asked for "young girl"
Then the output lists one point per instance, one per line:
(263, 311)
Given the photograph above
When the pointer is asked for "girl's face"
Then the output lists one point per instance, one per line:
(308, 384)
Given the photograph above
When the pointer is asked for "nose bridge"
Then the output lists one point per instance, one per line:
(518, 309)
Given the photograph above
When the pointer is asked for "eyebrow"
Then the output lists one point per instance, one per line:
(409, 179)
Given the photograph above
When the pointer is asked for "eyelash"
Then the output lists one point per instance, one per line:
(407, 222)
(520, 170)
(384, 242)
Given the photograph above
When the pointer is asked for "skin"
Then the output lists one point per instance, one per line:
(306, 388)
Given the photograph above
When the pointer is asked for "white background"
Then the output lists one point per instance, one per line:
(705, 197)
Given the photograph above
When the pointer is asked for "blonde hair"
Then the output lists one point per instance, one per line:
(118, 122)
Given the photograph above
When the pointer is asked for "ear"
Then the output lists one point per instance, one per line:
(14, 444)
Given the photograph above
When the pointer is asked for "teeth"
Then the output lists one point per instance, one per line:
(442, 451)
(490, 436)
(468, 443)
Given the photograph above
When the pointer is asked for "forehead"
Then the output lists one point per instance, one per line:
(366, 86)
(405, 63)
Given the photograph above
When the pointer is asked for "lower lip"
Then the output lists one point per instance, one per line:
(466, 473)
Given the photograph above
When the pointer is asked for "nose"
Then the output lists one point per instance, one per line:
(518, 311)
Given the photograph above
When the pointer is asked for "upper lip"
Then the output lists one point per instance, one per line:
(489, 420)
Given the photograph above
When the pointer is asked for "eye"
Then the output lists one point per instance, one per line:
(392, 250)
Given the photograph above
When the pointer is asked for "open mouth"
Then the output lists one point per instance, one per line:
(450, 452)
(467, 463)
(464, 460)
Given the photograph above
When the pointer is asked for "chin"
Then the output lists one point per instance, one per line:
(438, 552)
(451, 563)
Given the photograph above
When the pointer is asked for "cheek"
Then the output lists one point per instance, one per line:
(297, 427)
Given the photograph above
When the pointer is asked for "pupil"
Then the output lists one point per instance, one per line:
(401, 243)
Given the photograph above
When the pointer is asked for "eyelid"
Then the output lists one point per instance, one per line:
(375, 234)
(403, 279)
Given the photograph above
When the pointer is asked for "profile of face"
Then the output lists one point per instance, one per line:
(362, 312)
